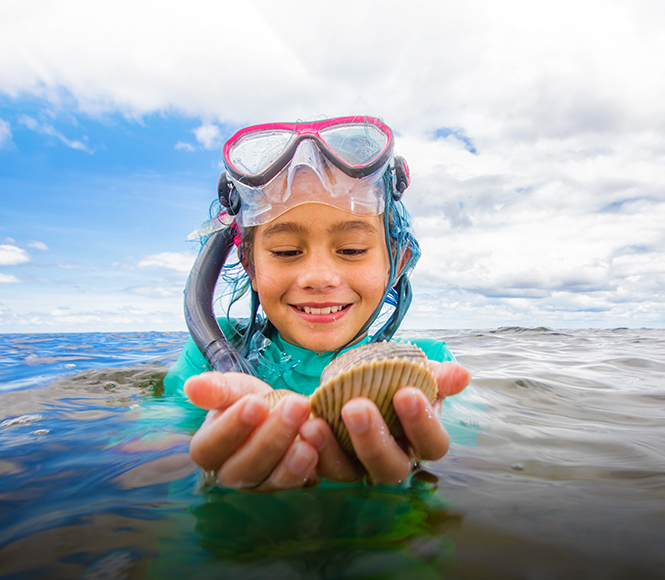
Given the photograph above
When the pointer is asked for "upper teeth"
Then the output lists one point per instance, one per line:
(326, 310)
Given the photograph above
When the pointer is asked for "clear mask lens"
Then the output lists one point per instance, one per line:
(357, 144)
(256, 152)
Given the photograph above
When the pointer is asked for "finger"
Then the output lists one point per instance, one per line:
(252, 463)
(295, 470)
(333, 463)
(422, 425)
(213, 390)
(224, 431)
(377, 450)
(451, 378)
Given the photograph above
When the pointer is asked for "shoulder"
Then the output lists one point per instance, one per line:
(434, 349)
(191, 362)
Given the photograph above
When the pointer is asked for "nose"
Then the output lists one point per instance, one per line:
(319, 272)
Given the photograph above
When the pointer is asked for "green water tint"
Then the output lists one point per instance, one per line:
(343, 532)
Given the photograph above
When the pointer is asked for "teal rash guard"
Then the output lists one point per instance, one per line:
(282, 365)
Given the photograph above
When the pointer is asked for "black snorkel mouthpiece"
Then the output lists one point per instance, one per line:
(199, 312)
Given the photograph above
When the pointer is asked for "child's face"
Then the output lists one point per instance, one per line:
(320, 272)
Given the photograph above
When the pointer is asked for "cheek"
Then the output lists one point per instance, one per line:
(260, 283)
(373, 281)
(267, 281)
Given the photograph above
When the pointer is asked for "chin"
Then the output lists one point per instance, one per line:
(322, 344)
(330, 344)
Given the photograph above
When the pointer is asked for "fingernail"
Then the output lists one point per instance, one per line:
(408, 404)
(356, 419)
(313, 435)
(295, 410)
(255, 409)
(301, 460)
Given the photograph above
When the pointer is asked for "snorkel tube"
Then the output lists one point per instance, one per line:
(199, 312)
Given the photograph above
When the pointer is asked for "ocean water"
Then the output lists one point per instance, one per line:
(556, 470)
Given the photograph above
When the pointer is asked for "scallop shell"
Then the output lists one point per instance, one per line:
(274, 397)
(375, 371)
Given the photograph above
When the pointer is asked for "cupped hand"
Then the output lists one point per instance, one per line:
(249, 446)
(381, 457)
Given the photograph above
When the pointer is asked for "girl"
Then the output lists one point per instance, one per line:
(324, 243)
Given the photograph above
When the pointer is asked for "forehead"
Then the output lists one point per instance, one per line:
(320, 218)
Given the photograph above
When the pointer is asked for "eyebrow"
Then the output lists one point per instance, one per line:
(284, 228)
(336, 228)
(353, 225)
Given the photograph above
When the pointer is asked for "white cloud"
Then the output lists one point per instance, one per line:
(515, 69)
(134, 62)
(38, 245)
(5, 132)
(208, 135)
(183, 146)
(158, 291)
(61, 311)
(181, 262)
(12, 255)
(8, 279)
(88, 312)
(496, 71)
(48, 129)
(540, 234)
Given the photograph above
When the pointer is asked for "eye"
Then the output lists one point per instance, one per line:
(353, 252)
(285, 253)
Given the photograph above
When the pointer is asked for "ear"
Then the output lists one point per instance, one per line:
(247, 267)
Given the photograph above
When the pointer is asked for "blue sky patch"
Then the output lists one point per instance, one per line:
(458, 134)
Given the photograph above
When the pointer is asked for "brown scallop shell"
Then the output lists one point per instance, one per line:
(375, 371)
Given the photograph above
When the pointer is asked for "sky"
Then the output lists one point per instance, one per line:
(535, 134)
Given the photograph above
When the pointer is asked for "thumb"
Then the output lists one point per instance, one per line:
(214, 390)
(451, 378)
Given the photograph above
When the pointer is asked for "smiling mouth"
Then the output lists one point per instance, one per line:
(323, 310)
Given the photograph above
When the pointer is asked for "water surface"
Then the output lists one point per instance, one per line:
(556, 470)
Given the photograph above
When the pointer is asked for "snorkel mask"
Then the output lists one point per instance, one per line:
(352, 157)
(349, 155)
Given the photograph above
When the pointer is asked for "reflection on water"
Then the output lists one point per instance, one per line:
(349, 531)
(556, 471)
